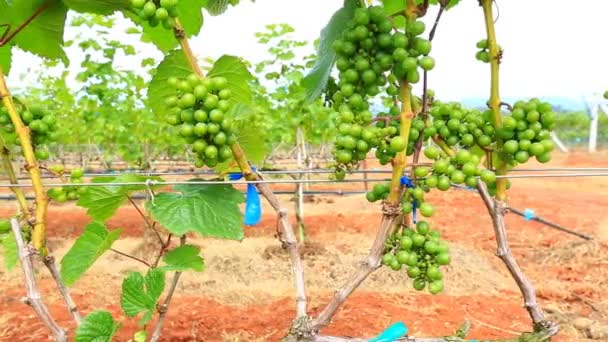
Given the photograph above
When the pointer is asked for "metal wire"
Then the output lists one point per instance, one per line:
(557, 175)
(306, 193)
(152, 182)
(309, 171)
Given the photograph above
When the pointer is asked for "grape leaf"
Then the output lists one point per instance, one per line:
(98, 326)
(10, 251)
(211, 210)
(104, 7)
(95, 240)
(103, 201)
(141, 294)
(5, 58)
(316, 80)
(175, 64)
(184, 258)
(44, 35)
(252, 141)
(392, 7)
(190, 16)
(238, 76)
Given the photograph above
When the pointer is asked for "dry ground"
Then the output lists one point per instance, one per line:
(245, 294)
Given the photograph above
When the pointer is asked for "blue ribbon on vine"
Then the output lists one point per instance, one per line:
(253, 207)
(392, 333)
(407, 182)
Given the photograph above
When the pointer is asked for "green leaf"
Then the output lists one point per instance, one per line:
(10, 251)
(217, 7)
(253, 143)
(184, 258)
(44, 35)
(141, 294)
(392, 7)
(104, 7)
(98, 326)
(190, 16)
(238, 76)
(5, 57)
(175, 64)
(316, 80)
(102, 202)
(211, 210)
(95, 240)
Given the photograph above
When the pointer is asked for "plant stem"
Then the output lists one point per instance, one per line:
(287, 235)
(149, 224)
(497, 210)
(162, 309)
(7, 37)
(131, 257)
(495, 56)
(34, 299)
(39, 234)
(49, 262)
(425, 98)
(180, 35)
(391, 210)
(400, 160)
(8, 167)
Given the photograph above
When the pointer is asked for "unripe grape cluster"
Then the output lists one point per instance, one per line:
(372, 57)
(199, 108)
(67, 193)
(156, 11)
(421, 252)
(527, 132)
(41, 124)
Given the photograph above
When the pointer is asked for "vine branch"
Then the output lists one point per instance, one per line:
(12, 177)
(497, 210)
(34, 299)
(131, 257)
(425, 98)
(287, 235)
(41, 201)
(391, 210)
(164, 308)
(495, 102)
(49, 262)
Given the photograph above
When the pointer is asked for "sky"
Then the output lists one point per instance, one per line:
(551, 47)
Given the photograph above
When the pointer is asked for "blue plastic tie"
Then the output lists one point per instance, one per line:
(529, 214)
(253, 207)
(392, 333)
(407, 182)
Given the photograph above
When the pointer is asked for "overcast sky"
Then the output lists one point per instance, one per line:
(552, 47)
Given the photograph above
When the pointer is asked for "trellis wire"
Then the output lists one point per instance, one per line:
(151, 182)
(311, 171)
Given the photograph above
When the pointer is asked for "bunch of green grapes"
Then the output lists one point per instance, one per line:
(461, 168)
(67, 193)
(156, 11)
(372, 56)
(422, 252)
(458, 126)
(199, 109)
(527, 132)
(379, 192)
(42, 126)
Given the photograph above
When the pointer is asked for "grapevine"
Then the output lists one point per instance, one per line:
(379, 53)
